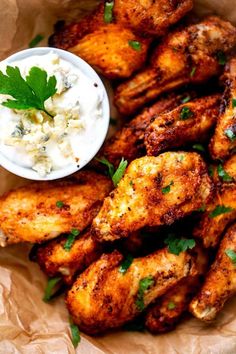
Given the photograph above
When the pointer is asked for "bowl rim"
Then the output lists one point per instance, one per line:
(29, 173)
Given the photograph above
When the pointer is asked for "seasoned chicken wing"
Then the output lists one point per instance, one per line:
(223, 142)
(167, 311)
(55, 260)
(150, 17)
(220, 282)
(188, 123)
(154, 191)
(189, 55)
(103, 297)
(32, 214)
(128, 142)
(221, 211)
(109, 47)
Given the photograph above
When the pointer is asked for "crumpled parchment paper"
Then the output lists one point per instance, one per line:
(27, 324)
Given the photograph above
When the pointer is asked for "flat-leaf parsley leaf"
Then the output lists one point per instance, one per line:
(177, 245)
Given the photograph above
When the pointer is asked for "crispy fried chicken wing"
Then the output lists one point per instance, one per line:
(216, 218)
(154, 191)
(167, 311)
(150, 17)
(103, 298)
(188, 123)
(107, 47)
(128, 142)
(55, 260)
(220, 282)
(223, 142)
(31, 213)
(185, 56)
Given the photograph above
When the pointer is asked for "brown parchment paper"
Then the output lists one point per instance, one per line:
(27, 324)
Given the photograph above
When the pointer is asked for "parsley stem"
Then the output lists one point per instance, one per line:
(45, 111)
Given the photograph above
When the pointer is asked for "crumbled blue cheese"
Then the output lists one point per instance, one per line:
(33, 139)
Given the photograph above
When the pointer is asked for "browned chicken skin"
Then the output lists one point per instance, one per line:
(150, 17)
(31, 214)
(187, 55)
(154, 191)
(220, 282)
(188, 123)
(223, 142)
(213, 224)
(128, 142)
(54, 260)
(103, 298)
(106, 46)
(167, 311)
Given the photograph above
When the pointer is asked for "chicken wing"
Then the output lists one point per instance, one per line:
(167, 311)
(103, 297)
(107, 47)
(154, 191)
(31, 213)
(223, 142)
(185, 124)
(221, 211)
(189, 55)
(150, 17)
(55, 260)
(128, 142)
(220, 282)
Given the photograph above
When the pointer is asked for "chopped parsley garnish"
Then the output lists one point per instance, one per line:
(199, 147)
(71, 239)
(202, 208)
(233, 102)
(220, 209)
(192, 73)
(29, 93)
(75, 334)
(221, 57)
(186, 113)
(177, 245)
(126, 264)
(232, 255)
(230, 134)
(144, 284)
(135, 45)
(223, 174)
(49, 290)
(36, 40)
(186, 99)
(109, 165)
(171, 305)
(180, 159)
(131, 183)
(166, 189)
(108, 11)
(211, 170)
(59, 204)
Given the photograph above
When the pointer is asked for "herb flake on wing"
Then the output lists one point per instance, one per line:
(108, 11)
(29, 93)
(220, 209)
(71, 239)
(126, 264)
(223, 174)
(136, 45)
(232, 255)
(144, 285)
(177, 245)
(186, 113)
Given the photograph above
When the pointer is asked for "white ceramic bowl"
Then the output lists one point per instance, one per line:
(89, 72)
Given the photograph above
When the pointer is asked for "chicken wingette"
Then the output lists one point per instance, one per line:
(41, 211)
(168, 310)
(188, 123)
(220, 282)
(109, 47)
(221, 210)
(154, 191)
(104, 297)
(56, 260)
(223, 142)
(188, 55)
(128, 142)
(150, 17)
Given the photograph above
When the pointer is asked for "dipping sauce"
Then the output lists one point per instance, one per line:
(32, 139)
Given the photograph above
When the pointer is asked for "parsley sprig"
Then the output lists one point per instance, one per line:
(75, 333)
(144, 285)
(71, 239)
(117, 174)
(29, 93)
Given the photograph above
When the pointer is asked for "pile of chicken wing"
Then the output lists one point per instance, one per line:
(161, 240)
